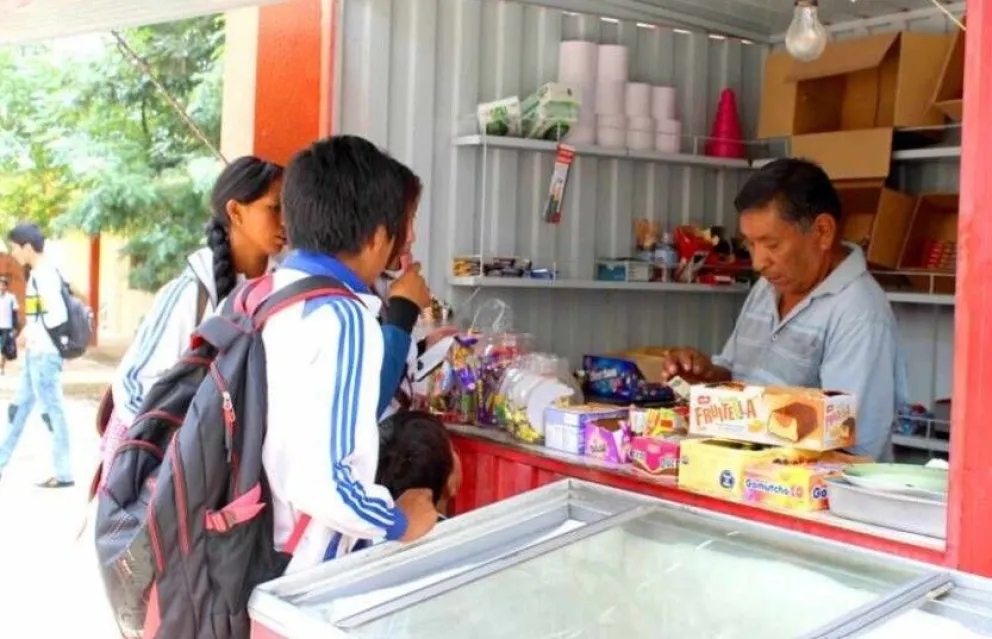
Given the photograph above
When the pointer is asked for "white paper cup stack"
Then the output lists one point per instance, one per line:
(668, 138)
(577, 68)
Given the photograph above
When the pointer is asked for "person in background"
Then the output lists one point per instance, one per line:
(345, 208)
(244, 235)
(415, 451)
(404, 293)
(8, 322)
(41, 378)
(816, 318)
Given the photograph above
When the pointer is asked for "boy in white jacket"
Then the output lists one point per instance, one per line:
(345, 210)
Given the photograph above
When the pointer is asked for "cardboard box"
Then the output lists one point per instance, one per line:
(930, 247)
(607, 439)
(628, 377)
(657, 456)
(852, 98)
(564, 428)
(802, 418)
(948, 97)
(660, 421)
(877, 219)
(798, 487)
(716, 468)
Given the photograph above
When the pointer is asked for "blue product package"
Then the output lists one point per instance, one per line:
(615, 379)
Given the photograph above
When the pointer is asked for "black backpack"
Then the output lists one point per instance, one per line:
(73, 337)
(183, 531)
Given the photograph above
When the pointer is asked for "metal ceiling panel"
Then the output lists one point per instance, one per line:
(31, 20)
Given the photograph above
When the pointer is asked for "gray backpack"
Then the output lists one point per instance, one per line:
(73, 337)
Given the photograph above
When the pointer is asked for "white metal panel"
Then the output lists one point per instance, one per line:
(29, 20)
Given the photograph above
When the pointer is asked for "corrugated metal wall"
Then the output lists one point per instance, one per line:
(412, 73)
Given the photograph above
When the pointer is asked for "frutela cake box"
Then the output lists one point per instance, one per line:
(803, 418)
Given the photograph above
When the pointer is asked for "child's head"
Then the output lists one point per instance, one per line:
(27, 243)
(415, 452)
(246, 226)
(344, 197)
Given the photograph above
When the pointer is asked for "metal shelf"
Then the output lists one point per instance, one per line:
(910, 155)
(544, 146)
(662, 287)
(922, 443)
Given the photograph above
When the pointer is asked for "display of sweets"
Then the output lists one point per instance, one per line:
(452, 391)
(495, 353)
(532, 383)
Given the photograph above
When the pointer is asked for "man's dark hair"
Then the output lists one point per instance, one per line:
(338, 192)
(800, 189)
(414, 452)
(28, 234)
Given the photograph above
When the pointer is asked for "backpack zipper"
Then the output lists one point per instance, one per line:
(180, 486)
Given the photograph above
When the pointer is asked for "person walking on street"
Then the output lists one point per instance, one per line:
(45, 311)
(8, 324)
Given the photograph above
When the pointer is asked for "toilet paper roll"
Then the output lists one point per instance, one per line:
(577, 62)
(611, 131)
(669, 136)
(582, 134)
(643, 124)
(612, 62)
(587, 94)
(610, 97)
(638, 100)
(663, 103)
(640, 140)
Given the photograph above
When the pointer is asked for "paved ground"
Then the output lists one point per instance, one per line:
(48, 585)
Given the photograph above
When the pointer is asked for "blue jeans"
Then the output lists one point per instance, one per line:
(41, 381)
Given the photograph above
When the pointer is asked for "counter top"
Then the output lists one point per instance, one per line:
(538, 465)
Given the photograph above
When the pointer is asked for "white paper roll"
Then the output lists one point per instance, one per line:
(638, 100)
(577, 62)
(669, 137)
(587, 109)
(611, 138)
(582, 134)
(663, 103)
(610, 95)
(641, 124)
(640, 140)
(612, 62)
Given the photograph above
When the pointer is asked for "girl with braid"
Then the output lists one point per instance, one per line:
(244, 235)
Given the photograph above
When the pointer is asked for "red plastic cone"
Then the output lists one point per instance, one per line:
(726, 139)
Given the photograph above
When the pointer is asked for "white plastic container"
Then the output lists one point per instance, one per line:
(663, 103)
(610, 96)
(612, 62)
(611, 131)
(640, 133)
(668, 138)
(577, 62)
(638, 100)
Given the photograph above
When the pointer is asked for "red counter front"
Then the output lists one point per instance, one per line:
(496, 468)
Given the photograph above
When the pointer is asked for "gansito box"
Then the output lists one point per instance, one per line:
(802, 418)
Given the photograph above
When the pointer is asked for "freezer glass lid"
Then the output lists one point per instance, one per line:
(641, 573)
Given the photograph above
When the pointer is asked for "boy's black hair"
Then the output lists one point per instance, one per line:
(338, 192)
(801, 189)
(414, 452)
(244, 180)
(27, 234)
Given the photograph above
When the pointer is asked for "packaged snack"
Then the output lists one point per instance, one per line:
(655, 455)
(565, 428)
(660, 421)
(794, 486)
(550, 112)
(804, 418)
(500, 117)
(716, 468)
(607, 439)
(630, 377)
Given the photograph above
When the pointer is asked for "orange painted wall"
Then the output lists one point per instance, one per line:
(293, 82)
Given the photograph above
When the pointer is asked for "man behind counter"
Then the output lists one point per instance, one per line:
(816, 318)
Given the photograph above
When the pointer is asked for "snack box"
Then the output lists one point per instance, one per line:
(659, 421)
(628, 377)
(565, 427)
(656, 456)
(804, 418)
(716, 467)
(797, 487)
(607, 439)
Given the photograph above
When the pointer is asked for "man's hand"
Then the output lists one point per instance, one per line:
(693, 366)
(417, 504)
(439, 334)
(412, 286)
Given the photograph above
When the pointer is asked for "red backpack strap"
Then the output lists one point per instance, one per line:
(297, 534)
(261, 308)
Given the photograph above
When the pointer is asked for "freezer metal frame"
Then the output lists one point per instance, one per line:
(276, 605)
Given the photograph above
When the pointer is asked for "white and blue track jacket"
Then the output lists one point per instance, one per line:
(323, 365)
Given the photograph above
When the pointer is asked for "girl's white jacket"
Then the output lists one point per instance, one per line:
(164, 333)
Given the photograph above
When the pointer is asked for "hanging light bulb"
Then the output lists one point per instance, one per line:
(806, 38)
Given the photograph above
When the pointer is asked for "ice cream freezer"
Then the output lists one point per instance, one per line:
(575, 559)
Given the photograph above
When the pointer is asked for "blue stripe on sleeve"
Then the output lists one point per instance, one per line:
(150, 337)
(344, 415)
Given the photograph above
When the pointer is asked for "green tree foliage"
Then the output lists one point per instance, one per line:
(88, 142)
